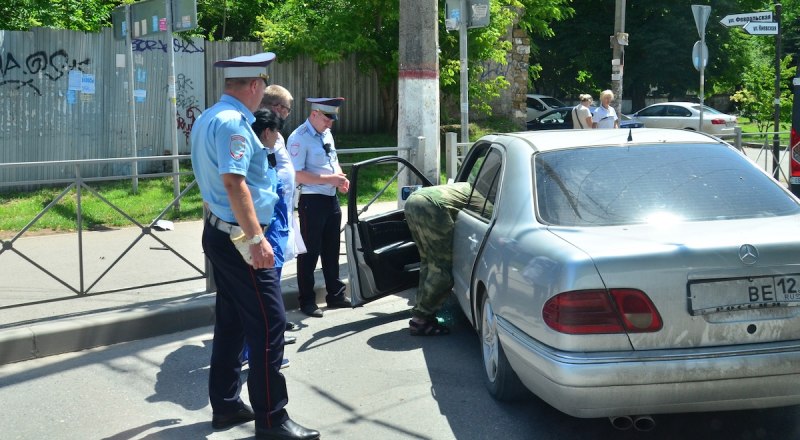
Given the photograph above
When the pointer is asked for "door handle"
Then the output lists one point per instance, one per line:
(473, 242)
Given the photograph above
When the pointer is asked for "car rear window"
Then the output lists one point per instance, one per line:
(640, 184)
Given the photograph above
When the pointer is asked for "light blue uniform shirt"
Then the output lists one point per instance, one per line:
(223, 142)
(308, 154)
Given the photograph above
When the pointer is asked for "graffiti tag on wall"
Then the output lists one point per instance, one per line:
(53, 66)
(187, 104)
(178, 45)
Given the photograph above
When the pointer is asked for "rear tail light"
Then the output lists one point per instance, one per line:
(599, 311)
(717, 121)
(795, 143)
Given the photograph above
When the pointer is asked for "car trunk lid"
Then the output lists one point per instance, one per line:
(694, 275)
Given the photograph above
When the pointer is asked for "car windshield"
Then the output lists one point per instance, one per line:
(552, 102)
(653, 183)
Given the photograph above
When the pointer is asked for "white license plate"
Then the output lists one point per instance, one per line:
(794, 180)
(730, 123)
(744, 294)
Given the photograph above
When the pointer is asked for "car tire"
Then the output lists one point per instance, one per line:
(501, 380)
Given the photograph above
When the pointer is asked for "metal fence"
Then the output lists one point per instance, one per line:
(81, 185)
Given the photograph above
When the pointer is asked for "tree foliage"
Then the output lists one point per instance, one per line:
(330, 30)
(78, 15)
(490, 44)
(658, 58)
(755, 99)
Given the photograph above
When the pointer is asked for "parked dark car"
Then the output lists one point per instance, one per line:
(561, 118)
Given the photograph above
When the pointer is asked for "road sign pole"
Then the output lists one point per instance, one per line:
(776, 149)
(701, 14)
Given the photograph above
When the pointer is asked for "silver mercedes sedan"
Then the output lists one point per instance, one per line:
(613, 272)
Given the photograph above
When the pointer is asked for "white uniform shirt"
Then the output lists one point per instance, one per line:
(306, 148)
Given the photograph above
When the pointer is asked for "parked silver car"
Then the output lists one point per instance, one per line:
(614, 273)
(686, 116)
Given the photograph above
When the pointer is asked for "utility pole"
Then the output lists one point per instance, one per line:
(464, 78)
(618, 42)
(418, 87)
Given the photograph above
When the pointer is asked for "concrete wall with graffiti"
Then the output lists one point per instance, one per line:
(68, 95)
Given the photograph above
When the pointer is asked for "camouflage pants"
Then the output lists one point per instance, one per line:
(430, 216)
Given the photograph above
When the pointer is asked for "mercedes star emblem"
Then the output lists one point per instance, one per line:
(748, 254)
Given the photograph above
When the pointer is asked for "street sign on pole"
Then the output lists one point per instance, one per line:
(759, 28)
(700, 52)
(742, 19)
(701, 14)
(700, 56)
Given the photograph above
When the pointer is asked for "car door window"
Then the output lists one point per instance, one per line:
(656, 110)
(674, 110)
(484, 190)
(535, 104)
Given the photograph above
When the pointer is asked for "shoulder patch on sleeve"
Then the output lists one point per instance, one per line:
(237, 146)
(294, 148)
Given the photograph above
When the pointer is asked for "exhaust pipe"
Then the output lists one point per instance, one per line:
(622, 423)
(644, 423)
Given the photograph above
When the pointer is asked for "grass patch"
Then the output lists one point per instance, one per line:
(750, 132)
(19, 208)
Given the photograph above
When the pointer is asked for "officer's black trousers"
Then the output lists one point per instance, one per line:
(320, 220)
(249, 307)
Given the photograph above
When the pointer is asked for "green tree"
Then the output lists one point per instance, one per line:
(231, 20)
(77, 15)
(755, 99)
(658, 59)
(331, 30)
(489, 44)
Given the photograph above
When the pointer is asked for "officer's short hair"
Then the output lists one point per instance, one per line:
(276, 95)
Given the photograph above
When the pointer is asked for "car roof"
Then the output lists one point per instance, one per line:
(681, 103)
(547, 140)
(535, 95)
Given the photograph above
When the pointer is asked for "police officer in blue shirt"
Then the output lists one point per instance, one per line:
(317, 169)
(236, 182)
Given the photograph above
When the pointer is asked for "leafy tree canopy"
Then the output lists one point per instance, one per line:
(658, 58)
(78, 15)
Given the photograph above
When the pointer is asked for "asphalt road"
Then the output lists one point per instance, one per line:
(354, 374)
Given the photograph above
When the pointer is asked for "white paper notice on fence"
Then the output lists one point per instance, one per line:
(75, 80)
(87, 84)
(121, 60)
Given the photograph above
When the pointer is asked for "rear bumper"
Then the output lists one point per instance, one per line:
(663, 381)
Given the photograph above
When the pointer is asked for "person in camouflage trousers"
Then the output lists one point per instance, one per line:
(431, 213)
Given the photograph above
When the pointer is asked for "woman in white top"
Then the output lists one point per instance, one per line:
(605, 116)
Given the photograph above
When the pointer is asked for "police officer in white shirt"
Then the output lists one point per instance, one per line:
(313, 154)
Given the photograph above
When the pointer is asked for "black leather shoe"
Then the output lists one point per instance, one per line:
(289, 339)
(339, 303)
(291, 326)
(224, 421)
(288, 430)
(312, 310)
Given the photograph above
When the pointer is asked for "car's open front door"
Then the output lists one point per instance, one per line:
(381, 256)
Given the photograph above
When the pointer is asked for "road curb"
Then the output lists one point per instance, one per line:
(107, 328)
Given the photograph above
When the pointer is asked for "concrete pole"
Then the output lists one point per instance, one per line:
(617, 57)
(418, 87)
